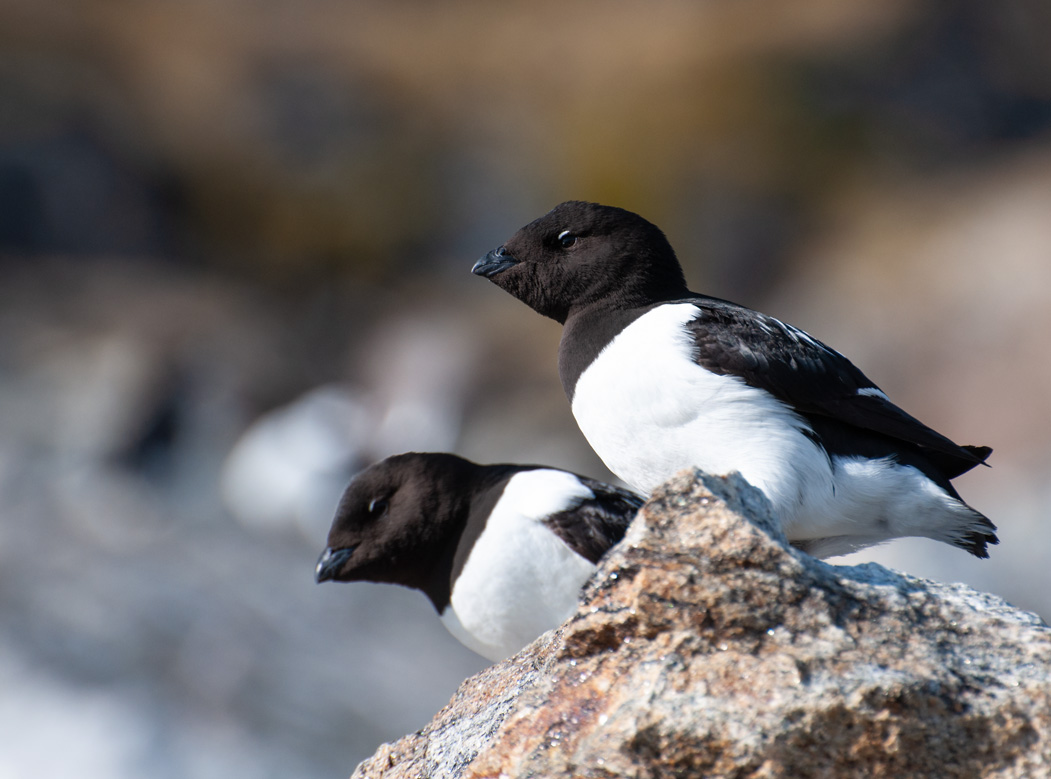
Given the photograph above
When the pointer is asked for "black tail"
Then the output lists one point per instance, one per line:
(976, 540)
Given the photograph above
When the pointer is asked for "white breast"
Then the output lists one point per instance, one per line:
(649, 411)
(520, 579)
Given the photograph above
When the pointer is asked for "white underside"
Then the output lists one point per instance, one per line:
(649, 411)
(520, 579)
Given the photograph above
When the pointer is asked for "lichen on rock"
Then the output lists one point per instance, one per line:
(704, 645)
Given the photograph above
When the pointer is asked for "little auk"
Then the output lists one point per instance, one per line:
(502, 551)
(661, 379)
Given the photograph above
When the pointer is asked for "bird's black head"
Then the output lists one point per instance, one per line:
(582, 253)
(397, 520)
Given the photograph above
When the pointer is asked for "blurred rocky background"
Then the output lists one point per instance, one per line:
(235, 242)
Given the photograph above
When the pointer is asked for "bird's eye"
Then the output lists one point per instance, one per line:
(566, 239)
(378, 507)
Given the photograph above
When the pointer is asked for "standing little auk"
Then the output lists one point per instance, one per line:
(502, 551)
(661, 378)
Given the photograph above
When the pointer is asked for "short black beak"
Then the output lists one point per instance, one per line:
(499, 259)
(331, 562)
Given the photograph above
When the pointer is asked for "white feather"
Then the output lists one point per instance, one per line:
(649, 411)
(520, 579)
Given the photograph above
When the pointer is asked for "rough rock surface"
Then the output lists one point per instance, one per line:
(705, 646)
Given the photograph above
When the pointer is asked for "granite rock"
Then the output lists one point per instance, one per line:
(706, 646)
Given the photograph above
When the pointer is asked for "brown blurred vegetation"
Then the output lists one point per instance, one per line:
(282, 137)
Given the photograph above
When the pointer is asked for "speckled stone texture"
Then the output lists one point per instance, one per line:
(705, 646)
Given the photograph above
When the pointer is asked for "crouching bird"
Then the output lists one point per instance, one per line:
(502, 551)
(661, 378)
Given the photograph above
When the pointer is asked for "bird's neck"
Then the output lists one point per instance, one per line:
(585, 334)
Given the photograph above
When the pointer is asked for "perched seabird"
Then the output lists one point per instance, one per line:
(661, 378)
(502, 551)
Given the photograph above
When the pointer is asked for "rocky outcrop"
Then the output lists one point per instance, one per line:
(705, 646)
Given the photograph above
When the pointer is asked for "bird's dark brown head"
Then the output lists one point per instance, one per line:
(396, 521)
(582, 253)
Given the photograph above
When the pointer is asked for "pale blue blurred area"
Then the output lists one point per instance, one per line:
(235, 242)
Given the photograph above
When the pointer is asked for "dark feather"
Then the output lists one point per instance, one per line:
(812, 378)
(592, 526)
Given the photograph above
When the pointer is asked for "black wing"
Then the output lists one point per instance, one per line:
(812, 378)
(594, 525)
